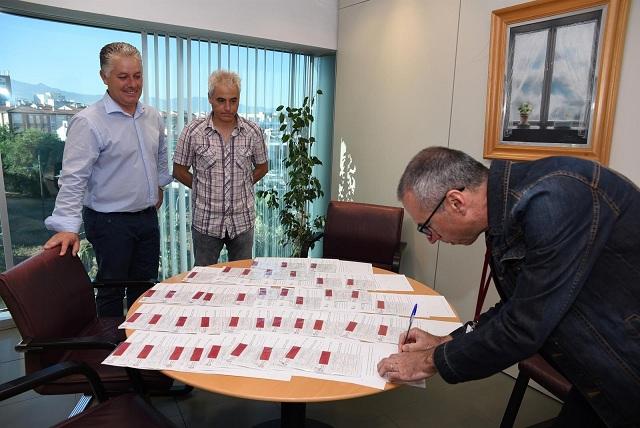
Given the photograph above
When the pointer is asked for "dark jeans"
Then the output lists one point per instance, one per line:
(577, 413)
(127, 247)
(207, 248)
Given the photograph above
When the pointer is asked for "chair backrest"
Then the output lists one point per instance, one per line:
(48, 295)
(363, 232)
(126, 410)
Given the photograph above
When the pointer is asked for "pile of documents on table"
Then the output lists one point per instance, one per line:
(281, 317)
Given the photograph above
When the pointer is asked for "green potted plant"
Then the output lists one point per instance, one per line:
(525, 109)
(298, 226)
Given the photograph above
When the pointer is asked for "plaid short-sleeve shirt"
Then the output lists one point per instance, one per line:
(223, 199)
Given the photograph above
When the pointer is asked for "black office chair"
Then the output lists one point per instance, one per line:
(126, 411)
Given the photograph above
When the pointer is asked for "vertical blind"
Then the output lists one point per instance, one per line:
(176, 76)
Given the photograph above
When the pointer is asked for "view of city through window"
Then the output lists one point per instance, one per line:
(49, 72)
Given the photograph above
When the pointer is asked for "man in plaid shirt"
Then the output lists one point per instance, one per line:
(227, 156)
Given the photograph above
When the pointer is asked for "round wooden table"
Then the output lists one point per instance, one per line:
(293, 394)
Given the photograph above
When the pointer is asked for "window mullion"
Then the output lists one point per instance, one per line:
(583, 128)
(548, 74)
(507, 83)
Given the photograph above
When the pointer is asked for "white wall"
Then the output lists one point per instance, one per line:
(310, 23)
(391, 93)
(408, 78)
(625, 150)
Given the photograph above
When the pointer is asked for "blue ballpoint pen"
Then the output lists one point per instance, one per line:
(413, 314)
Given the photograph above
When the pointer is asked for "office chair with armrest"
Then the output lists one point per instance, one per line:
(364, 233)
(52, 303)
(126, 411)
(539, 370)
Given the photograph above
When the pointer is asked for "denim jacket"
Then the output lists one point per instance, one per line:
(564, 235)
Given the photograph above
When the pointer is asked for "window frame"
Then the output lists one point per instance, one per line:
(300, 66)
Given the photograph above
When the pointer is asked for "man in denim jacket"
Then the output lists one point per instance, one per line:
(564, 235)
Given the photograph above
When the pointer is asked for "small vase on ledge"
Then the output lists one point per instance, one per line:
(524, 120)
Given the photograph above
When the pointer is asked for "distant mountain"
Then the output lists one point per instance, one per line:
(198, 103)
(204, 104)
(28, 90)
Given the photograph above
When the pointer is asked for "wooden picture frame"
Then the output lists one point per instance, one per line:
(604, 91)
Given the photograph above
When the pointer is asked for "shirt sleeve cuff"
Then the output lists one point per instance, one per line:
(63, 224)
(463, 329)
(164, 180)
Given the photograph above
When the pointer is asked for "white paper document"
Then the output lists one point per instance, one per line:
(392, 283)
(279, 318)
(300, 275)
(251, 354)
(402, 304)
(366, 327)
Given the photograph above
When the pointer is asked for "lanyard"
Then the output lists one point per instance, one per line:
(485, 281)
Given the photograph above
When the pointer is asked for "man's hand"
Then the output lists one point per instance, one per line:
(419, 340)
(65, 240)
(160, 198)
(182, 174)
(260, 171)
(408, 366)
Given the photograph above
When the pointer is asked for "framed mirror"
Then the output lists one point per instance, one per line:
(553, 78)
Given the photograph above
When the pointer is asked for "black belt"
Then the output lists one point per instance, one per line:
(148, 210)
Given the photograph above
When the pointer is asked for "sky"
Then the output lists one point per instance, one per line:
(32, 48)
(65, 57)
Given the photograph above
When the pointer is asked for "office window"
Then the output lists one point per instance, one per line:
(269, 78)
(3, 306)
(47, 84)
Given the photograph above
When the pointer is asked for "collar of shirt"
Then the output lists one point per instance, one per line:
(497, 194)
(236, 130)
(113, 107)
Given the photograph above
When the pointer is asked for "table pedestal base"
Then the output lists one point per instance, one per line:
(292, 415)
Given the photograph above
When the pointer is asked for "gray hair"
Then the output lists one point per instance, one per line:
(436, 170)
(108, 52)
(223, 77)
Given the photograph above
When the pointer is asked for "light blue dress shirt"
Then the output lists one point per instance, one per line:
(113, 162)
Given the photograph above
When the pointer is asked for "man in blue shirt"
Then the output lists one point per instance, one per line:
(113, 170)
(564, 236)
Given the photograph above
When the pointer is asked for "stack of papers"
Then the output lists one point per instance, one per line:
(293, 275)
(301, 298)
(281, 317)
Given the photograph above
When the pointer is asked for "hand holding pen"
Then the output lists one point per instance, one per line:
(413, 314)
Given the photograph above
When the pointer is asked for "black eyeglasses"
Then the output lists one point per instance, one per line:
(424, 227)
